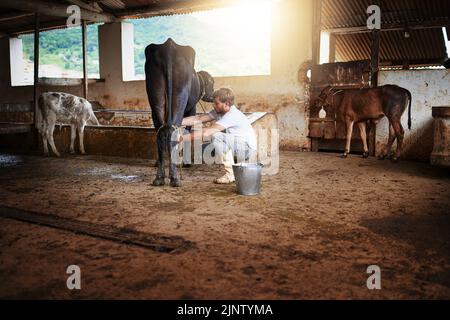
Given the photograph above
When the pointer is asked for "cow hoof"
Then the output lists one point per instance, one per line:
(72, 151)
(187, 165)
(155, 164)
(175, 183)
(343, 156)
(381, 157)
(365, 155)
(158, 182)
(394, 159)
(58, 155)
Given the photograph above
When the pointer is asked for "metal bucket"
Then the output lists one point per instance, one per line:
(248, 178)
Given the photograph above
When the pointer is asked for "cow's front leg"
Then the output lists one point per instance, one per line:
(349, 125)
(362, 132)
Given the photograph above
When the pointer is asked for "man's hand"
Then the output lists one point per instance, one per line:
(200, 135)
(192, 121)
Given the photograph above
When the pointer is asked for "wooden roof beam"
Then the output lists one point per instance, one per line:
(173, 7)
(55, 9)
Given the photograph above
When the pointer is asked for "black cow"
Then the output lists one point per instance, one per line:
(173, 89)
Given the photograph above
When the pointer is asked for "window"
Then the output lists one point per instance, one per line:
(60, 55)
(233, 41)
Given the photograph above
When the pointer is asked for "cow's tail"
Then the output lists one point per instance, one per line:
(409, 108)
(168, 75)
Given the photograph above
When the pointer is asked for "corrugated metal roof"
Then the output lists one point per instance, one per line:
(352, 13)
(422, 46)
(119, 8)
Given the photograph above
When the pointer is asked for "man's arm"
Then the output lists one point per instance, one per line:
(202, 134)
(191, 121)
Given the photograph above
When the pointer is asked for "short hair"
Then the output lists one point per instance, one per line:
(225, 95)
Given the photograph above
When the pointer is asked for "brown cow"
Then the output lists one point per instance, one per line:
(370, 105)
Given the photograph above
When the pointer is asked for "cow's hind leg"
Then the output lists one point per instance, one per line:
(387, 149)
(174, 155)
(44, 138)
(399, 133)
(50, 130)
(160, 174)
(349, 125)
(363, 134)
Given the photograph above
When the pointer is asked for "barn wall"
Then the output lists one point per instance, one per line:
(281, 92)
(429, 88)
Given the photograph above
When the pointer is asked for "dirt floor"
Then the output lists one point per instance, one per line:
(312, 232)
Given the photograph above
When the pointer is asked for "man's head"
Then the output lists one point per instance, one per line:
(223, 100)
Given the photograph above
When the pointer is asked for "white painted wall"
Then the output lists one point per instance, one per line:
(429, 88)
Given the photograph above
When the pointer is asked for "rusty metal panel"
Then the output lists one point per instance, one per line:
(348, 74)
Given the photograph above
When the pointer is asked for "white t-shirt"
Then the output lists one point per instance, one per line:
(236, 123)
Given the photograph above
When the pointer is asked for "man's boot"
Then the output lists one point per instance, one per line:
(228, 162)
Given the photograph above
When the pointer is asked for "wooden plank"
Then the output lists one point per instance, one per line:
(36, 74)
(375, 58)
(10, 128)
(86, 6)
(85, 75)
(65, 81)
(173, 7)
(152, 241)
(14, 15)
(317, 13)
(315, 145)
(332, 54)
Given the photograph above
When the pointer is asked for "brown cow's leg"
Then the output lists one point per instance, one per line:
(362, 131)
(400, 133)
(349, 124)
(388, 147)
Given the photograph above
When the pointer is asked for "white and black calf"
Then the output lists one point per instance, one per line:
(59, 107)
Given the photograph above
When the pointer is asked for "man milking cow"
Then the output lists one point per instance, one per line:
(238, 140)
(173, 89)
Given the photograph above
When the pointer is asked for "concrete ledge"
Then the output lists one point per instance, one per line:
(139, 141)
(122, 141)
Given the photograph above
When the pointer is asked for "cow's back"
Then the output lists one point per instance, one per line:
(360, 104)
(169, 67)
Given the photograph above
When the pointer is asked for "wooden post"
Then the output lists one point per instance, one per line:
(332, 56)
(36, 79)
(317, 8)
(85, 74)
(375, 58)
(374, 66)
